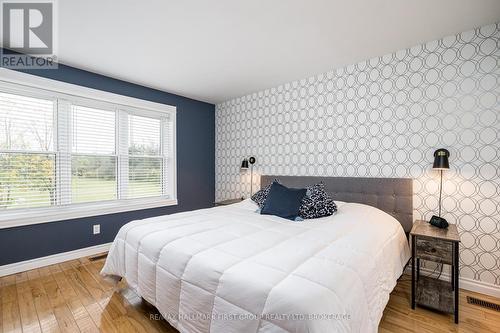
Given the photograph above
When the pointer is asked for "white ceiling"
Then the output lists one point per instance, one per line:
(215, 50)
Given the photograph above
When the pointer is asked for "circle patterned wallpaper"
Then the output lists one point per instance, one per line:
(384, 118)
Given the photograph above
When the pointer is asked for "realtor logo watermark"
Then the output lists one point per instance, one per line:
(28, 34)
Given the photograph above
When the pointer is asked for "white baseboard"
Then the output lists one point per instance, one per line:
(27, 265)
(465, 283)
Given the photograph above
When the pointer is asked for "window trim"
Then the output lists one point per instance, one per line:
(67, 212)
(74, 92)
(44, 88)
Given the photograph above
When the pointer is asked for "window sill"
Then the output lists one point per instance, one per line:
(10, 219)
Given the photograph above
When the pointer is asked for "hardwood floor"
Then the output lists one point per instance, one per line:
(73, 297)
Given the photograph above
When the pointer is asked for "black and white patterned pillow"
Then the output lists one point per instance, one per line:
(317, 203)
(261, 195)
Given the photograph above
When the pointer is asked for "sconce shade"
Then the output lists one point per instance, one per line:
(244, 164)
(441, 159)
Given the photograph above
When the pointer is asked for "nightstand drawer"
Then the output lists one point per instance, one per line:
(436, 250)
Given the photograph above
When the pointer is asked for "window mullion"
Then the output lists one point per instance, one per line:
(64, 141)
(167, 174)
(122, 152)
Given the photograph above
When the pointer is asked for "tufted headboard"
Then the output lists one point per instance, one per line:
(392, 195)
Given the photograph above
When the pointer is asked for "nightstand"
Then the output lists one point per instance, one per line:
(440, 246)
(228, 202)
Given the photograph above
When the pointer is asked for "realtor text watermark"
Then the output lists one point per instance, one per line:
(28, 34)
(249, 316)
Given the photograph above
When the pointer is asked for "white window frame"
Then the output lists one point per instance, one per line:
(35, 86)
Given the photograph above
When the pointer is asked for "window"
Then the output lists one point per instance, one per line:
(27, 157)
(93, 155)
(145, 157)
(62, 152)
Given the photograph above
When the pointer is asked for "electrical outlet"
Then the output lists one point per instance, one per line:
(97, 229)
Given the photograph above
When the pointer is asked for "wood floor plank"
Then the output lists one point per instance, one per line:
(62, 297)
(135, 321)
(27, 310)
(101, 318)
(90, 296)
(54, 293)
(94, 268)
(44, 271)
(54, 268)
(21, 277)
(65, 319)
(33, 274)
(9, 294)
(65, 286)
(46, 317)
(1, 317)
(82, 317)
(78, 285)
(8, 290)
(7, 280)
(11, 318)
(89, 282)
(75, 299)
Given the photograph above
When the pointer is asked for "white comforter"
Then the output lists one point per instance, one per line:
(230, 269)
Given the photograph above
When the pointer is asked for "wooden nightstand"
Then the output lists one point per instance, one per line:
(440, 246)
(228, 202)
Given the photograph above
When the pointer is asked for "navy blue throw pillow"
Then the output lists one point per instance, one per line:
(283, 201)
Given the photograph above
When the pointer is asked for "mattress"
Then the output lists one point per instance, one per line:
(230, 269)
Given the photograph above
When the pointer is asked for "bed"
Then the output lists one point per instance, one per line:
(231, 269)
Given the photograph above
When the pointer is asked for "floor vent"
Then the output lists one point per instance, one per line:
(484, 304)
(99, 257)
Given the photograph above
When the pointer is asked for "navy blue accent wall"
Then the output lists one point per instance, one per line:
(195, 174)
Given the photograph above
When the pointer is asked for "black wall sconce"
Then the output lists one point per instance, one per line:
(245, 165)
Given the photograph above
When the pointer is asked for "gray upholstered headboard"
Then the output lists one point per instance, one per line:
(392, 195)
